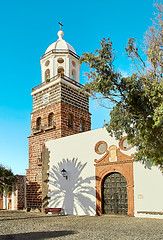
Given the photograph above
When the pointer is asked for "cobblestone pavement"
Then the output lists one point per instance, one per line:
(15, 225)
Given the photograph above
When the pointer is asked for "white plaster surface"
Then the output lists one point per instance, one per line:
(76, 155)
(148, 190)
(12, 196)
(60, 44)
(61, 47)
(76, 195)
(4, 201)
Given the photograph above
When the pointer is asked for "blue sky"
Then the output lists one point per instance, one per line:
(28, 28)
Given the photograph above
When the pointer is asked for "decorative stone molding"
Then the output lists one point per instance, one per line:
(107, 165)
(38, 130)
(45, 168)
(121, 145)
(49, 127)
(112, 155)
(101, 147)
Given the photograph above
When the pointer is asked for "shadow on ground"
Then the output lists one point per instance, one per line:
(36, 235)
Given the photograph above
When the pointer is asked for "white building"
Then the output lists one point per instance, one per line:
(100, 177)
(82, 172)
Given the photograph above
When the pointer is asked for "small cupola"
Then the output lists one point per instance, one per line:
(60, 59)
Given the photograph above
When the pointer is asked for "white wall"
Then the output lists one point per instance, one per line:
(76, 155)
(77, 195)
(12, 197)
(4, 201)
(148, 190)
(54, 65)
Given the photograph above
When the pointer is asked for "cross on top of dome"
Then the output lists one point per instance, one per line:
(60, 32)
(60, 43)
(60, 25)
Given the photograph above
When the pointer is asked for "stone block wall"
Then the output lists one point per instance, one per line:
(20, 193)
(74, 97)
(34, 173)
(63, 100)
(78, 115)
(61, 92)
(54, 97)
(45, 175)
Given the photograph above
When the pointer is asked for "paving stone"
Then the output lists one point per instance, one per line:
(22, 225)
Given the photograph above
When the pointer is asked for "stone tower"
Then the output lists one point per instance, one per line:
(59, 109)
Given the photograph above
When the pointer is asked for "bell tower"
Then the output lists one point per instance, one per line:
(60, 58)
(59, 109)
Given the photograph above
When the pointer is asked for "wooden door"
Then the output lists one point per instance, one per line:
(115, 194)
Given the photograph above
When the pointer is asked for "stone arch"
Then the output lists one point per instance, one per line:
(50, 119)
(81, 125)
(38, 123)
(47, 75)
(114, 194)
(126, 169)
(73, 74)
(60, 60)
(70, 121)
(61, 71)
(118, 169)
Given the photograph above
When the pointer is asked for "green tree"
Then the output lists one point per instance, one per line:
(7, 180)
(136, 101)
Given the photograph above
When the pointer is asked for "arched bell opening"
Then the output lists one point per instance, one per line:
(47, 75)
(61, 71)
(38, 123)
(50, 119)
(81, 125)
(70, 121)
(73, 74)
(60, 60)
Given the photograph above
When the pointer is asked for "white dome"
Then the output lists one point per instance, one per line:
(60, 44)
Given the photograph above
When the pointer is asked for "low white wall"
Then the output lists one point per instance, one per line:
(148, 191)
(12, 197)
(4, 201)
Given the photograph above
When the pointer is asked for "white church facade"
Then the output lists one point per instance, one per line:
(72, 168)
(100, 177)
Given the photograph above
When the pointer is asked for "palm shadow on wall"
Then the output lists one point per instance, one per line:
(73, 193)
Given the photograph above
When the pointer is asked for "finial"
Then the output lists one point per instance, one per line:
(60, 25)
(60, 32)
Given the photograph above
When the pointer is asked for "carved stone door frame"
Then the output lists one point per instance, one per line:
(122, 165)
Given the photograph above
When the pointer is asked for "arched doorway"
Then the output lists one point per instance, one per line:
(115, 194)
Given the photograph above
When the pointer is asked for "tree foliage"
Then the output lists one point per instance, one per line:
(137, 100)
(7, 180)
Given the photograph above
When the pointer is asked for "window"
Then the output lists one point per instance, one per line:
(38, 123)
(73, 74)
(47, 75)
(50, 119)
(124, 145)
(60, 60)
(73, 63)
(61, 70)
(101, 147)
(70, 121)
(81, 125)
(47, 63)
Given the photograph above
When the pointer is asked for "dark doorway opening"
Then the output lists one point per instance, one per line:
(115, 194)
